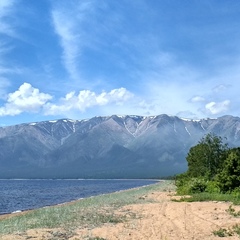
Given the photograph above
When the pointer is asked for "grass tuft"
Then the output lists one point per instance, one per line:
(223, 232)
(236, 229)
(233, 212)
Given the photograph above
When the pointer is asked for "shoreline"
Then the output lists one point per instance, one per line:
(21, 212)
(81, 190)
(134, 214)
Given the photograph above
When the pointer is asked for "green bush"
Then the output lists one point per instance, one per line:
(181, 179)
(182, 184)
(212, 168)
(198, 185)
(191, 185)
(213, 187)
(236, 192)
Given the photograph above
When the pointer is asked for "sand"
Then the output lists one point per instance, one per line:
(163, 219)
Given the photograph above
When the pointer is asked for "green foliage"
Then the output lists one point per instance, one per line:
(236, 192)
(229, 177)
(186, 185)
(196, 161)
(212, 168)
(197, 185)
(207, 157)
(213, 187)
(181, 179)
(181, 183)
(205, 196)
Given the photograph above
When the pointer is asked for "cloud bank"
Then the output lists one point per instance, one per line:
(28, 99)
(87, 99)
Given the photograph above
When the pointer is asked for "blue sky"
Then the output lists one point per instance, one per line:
(80, 59)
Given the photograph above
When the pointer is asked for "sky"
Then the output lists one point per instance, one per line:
(83, 58)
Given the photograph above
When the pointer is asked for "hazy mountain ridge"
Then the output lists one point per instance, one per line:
(114, 146)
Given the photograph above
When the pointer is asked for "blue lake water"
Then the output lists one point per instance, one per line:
(19, 195)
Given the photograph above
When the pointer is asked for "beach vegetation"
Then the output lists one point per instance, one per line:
(213, 171)
(227, 232)
(222, 232)
(232, 211)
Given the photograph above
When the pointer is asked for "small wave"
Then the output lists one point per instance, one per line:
(17, 211)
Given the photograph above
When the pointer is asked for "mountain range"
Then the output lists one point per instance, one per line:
(107, 147)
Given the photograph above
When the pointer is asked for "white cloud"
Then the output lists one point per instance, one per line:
(216, 108)
(28, 99)
(197, 99)
(25, 99)
(86, 99)
(221, 87)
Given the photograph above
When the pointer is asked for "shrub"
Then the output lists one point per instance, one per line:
(198, 185)
(236, 192)
(213, 187)
(191, 185)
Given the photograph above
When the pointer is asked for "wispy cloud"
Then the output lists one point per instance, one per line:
(6, 8)
(7, 32)
(88, 35)
(68, 25)
(221, 87)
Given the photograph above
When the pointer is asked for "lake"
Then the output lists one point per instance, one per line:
(20, 195)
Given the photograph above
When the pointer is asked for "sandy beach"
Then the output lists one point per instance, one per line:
(159, 218)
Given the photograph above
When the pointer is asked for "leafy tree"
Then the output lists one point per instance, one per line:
(229, 178)
(207, 157)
